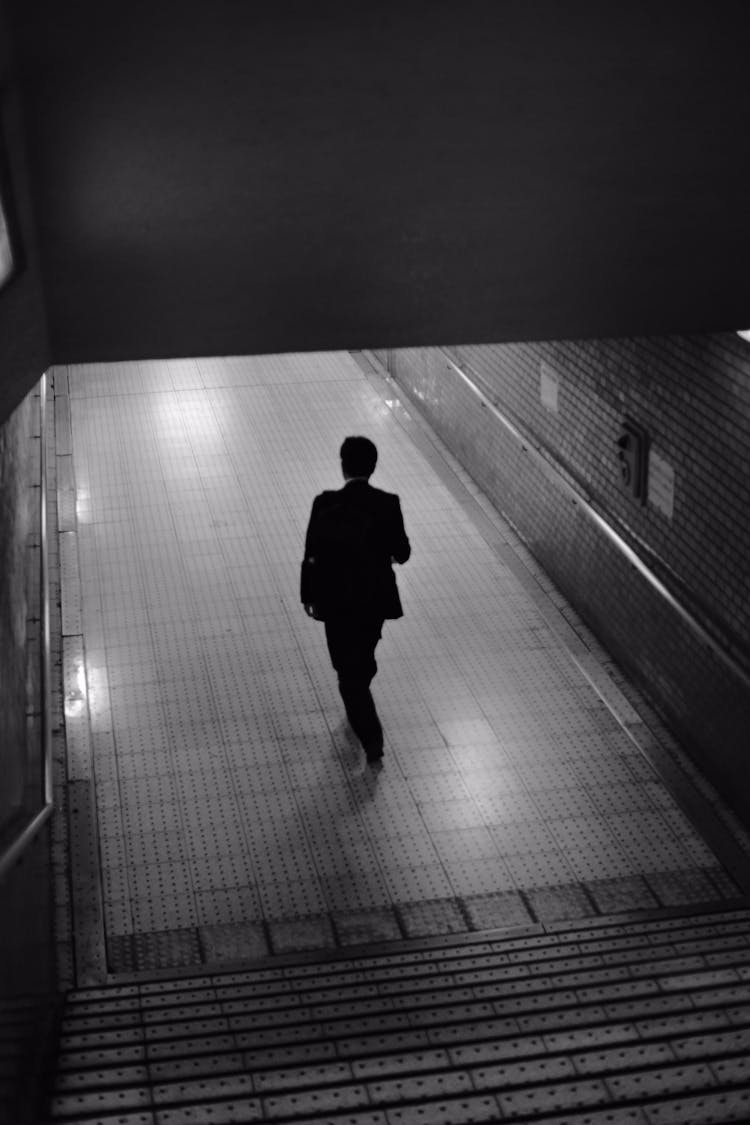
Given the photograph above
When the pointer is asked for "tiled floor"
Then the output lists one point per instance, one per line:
(228, 789)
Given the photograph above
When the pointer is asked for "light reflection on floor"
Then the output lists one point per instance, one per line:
(228, 788)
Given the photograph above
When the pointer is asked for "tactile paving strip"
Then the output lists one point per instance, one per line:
(214, 712)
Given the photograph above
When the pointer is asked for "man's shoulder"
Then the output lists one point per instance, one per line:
(365, 495)
(380, 496)
(330, 495)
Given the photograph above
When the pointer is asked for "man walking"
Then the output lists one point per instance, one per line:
(353, 537)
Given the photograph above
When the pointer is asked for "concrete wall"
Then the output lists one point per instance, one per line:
(692, 395)
(216, 177)
(27, 963)
(20, 612)
(24, 343)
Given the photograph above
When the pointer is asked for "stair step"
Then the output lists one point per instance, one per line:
(471, 1042)
(606, 939)
(728, 1060)
(528, 1092)
(500, 979)
(589, 1053)
(527, 994)
(333, 1020)
(717, 1108)
(570, 971)
(644, 1022)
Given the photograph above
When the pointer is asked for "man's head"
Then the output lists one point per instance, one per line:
(358, 457)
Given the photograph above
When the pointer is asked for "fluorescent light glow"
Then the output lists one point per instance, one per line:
(6, 254)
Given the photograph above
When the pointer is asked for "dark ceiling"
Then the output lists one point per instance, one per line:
(224, 176)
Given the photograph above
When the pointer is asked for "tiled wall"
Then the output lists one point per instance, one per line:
(20, 666)
(26, 907)
(692, 395)
(27, 961)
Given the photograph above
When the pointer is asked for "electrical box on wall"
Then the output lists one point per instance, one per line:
(632, 451)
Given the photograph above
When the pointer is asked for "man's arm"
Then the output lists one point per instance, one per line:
(307, 574)
(400, 545)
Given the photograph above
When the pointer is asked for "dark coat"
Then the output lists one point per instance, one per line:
(339, 581)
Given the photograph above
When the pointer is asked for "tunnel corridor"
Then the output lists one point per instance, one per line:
(234, 811)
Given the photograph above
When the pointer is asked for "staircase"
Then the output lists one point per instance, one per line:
(639, 1020)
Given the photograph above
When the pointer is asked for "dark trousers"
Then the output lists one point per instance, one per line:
(351, 643)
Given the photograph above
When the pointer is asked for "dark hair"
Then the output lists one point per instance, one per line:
(359, 456)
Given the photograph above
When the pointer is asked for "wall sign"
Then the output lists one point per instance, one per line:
(660, 484)
(549, 386)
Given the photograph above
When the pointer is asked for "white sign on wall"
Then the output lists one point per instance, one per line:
(549, 385)
(660, 484)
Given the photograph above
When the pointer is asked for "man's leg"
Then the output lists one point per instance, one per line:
(351, 644)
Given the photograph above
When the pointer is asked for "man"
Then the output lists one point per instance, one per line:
(353, 537)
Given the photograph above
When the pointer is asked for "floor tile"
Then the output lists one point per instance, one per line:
(497, 911)
(431, 919)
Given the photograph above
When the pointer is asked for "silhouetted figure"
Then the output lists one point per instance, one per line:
(353, 537)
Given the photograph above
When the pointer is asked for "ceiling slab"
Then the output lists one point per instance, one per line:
(218, 177)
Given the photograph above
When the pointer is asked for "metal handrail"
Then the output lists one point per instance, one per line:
(46, 644)
(586, 506)
(27, 834)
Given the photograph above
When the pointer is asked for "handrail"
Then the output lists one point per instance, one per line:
(26, 835)
(586, 506)
(23, 840)
(46, 644)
